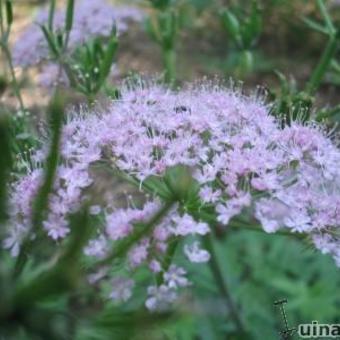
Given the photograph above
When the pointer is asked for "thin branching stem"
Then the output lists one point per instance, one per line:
(168, 258)
(223, 285)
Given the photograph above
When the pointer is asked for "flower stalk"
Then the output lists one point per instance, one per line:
(169, 59)
(222, 285)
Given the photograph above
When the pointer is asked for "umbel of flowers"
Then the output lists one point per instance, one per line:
(200, 157)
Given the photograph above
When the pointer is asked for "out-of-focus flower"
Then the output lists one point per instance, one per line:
(175, 277)
(196, 254)
(52, 75)
(160, 298)
(139, 253)
(121, 289)
(97, 247)
(186, 225)
(91, 19)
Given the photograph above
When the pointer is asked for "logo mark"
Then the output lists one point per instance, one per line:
(287, 332)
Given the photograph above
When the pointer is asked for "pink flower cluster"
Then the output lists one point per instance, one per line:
(241, 158)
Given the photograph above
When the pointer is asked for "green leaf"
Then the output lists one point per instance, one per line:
(335, 65)
(168, 29)
(231, 24)
(252, 27)
(151, 26)
(9, 12)
(160, 4)
(246, 62)
(327, 113)
(49, 36)
(51, 15)
(59, 40)
(156, 185)
(69, 15)
(327, 18)
(314, 25)
(108, 60)
(180, 183)
(284, 85)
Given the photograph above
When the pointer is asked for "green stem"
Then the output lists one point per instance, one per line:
(41, 203)
(239, 224)
(125, 245)
(222, 285)
(254, 226)
(168, 259)
(169, 60)
(326, 16)
(323, 65)
(2, 28)
(16, 88)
